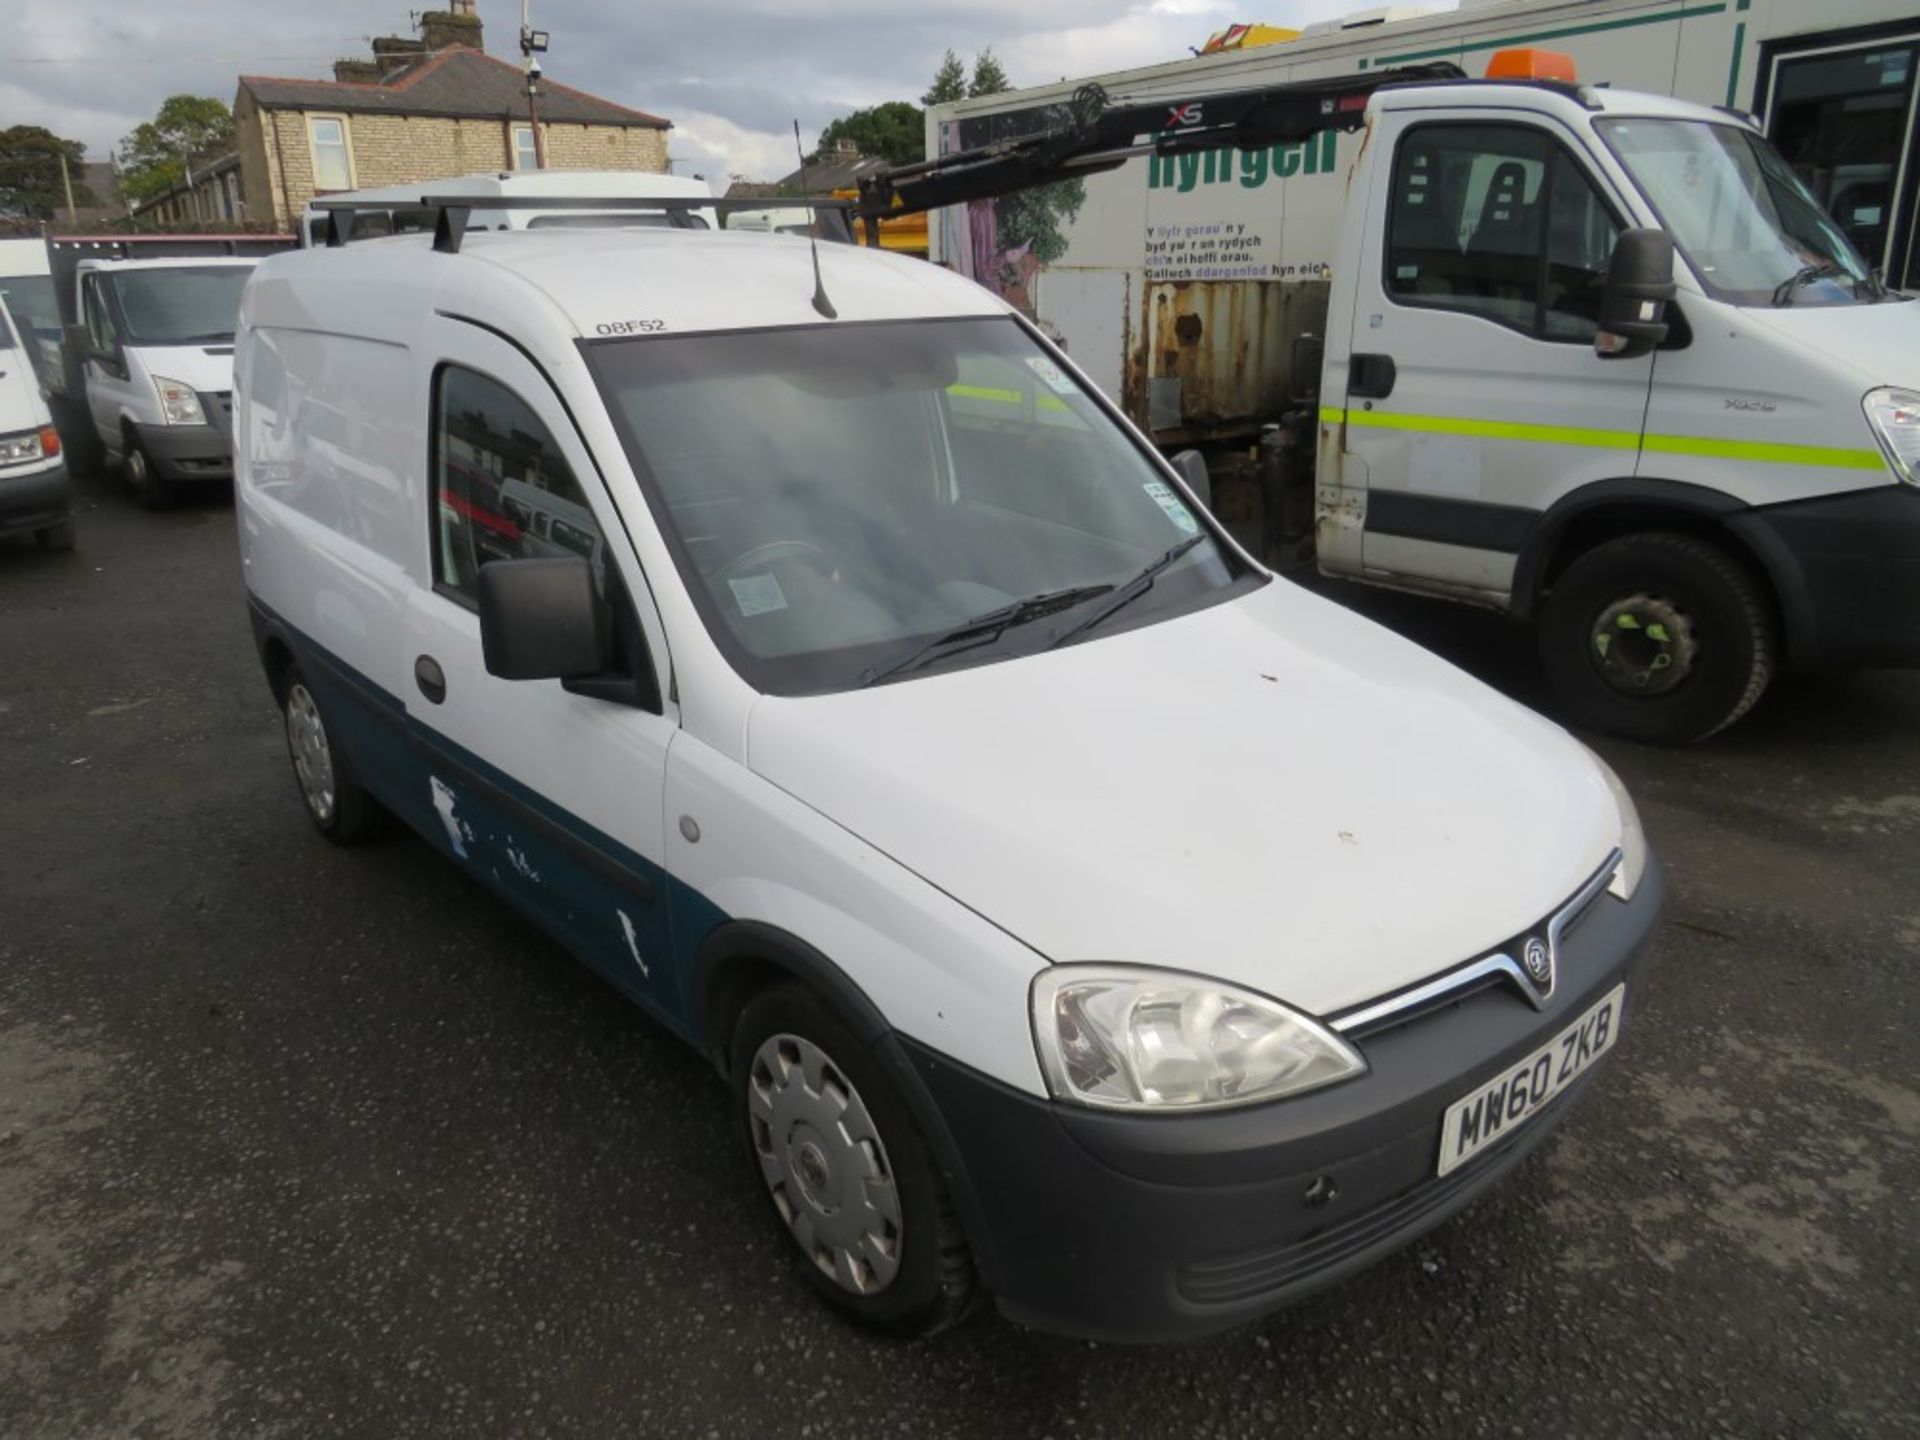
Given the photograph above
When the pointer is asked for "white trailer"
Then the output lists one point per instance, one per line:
(1182, 285)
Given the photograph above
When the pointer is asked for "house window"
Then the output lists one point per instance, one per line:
(332, 168)
(525, 156)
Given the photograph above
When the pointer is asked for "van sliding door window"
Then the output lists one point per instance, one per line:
(502, 491)
(1498, 221)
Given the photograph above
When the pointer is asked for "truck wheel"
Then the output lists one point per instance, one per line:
(848, 1178)
(154, 493)
(1662, 638)
(55, 537)
(338, 807)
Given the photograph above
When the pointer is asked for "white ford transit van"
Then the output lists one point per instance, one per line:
(1081, 915)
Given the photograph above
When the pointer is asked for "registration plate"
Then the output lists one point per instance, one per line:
(1517, 1094)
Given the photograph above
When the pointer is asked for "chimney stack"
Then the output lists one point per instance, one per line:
(457, 25)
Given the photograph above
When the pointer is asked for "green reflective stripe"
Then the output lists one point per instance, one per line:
(1766, 454)
(1005, 397)
(1756, 451)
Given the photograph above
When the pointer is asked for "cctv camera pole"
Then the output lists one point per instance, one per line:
(528, 47)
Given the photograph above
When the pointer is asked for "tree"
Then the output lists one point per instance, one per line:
(949, 82)
(153, 157)
(30, 185)
(894, 131)
(988, 76)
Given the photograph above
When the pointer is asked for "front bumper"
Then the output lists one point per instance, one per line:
(1848, 571)
(188, 452)
(1140, 1228)
(36, 500)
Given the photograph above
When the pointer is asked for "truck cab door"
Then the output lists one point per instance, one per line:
(107, 377)
(1471, 397)
(553, 797)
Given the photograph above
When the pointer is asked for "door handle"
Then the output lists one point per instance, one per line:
(1371, 377)
(431, 679)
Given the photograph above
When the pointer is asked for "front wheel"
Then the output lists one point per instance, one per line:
(1657, 637)
(847, 1175)
(336, 804)
(154, 492)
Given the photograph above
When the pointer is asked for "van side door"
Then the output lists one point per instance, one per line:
(1473, 398)
(553, 798)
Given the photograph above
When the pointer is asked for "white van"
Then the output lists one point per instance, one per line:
(1679, 520)
(35, 494)
(158, 366)
(391, 209)
(1080, 914)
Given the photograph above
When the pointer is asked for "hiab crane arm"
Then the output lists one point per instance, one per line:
(1095, 134)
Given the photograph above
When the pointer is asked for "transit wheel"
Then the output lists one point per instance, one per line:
(154, 492)
(1658, 637)
(846, 1173)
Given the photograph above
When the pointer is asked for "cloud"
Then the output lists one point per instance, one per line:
(731, 74)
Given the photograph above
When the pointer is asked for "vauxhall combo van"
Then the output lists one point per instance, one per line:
(1081, 915)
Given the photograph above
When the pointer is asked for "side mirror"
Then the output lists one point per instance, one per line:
(1192, 466)
(540, 620)
(1633, 307)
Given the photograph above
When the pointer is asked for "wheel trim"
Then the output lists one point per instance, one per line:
(1645, 646)
(824, 1164)
(312, 757)
(137, 475)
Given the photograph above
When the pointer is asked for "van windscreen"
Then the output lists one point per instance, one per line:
(838, 497)
(180, 304)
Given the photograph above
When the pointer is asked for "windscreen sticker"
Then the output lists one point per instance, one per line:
(757, 594)
(1051, 374)
(1177, 511)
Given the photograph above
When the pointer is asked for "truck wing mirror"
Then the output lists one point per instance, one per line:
(540, 619)
(1192, 466)
(1633, 307)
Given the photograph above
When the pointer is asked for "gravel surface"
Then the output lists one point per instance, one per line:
(308, 1142)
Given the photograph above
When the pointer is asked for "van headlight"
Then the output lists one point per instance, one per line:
(1122, 1037)
(1633, 839)
(1895, 417)
(178, 403)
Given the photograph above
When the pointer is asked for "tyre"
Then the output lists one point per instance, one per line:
(338, 807)
(154, 492)
(55, 537)
(848, 1179)
(1657, 637)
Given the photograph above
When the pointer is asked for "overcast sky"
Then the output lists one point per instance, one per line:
(731, 74)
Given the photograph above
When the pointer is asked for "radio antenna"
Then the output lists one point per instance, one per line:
(821, 303)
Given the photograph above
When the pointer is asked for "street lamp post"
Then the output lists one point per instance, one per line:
(533, 44)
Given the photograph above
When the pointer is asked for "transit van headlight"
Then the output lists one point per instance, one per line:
(25, 446)
(1123, 1037)
(1895, 417)
(1633, 839)
(178, 403)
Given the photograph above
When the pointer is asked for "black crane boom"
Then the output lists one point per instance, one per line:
(1093, 133)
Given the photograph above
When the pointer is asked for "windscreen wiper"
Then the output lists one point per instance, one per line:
(983, 629)
(1783, 294)
(1132, 590)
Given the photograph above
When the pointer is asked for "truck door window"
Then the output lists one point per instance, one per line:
(100, 334)
(502, 490)
(1498, 221)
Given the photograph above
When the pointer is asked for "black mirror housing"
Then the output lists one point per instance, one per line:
(540, 619)
(1192, 466)
(1633, 308)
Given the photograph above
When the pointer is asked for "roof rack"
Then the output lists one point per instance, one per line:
(453, 212)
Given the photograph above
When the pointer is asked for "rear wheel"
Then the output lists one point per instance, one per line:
(847, 1175)
(1658, 637)
(338, 807)
(154, 492)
